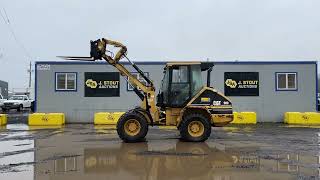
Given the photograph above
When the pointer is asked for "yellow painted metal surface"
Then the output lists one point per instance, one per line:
(168, 127)
(305, 118)
(3, 119)
(221, 119)
(46, 119)
(205, 99)
(107, 118)
(196, 128)
(172, 115)
(132, 127)
(244, 118)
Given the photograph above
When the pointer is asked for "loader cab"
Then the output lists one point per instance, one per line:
(181, 82)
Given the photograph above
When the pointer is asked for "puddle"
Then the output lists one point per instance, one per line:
(88, 152)
(16, 153)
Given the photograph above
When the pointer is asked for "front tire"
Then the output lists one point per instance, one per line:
(132, 127)
(195, 128)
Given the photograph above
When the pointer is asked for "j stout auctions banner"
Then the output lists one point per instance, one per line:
(102, 84)
(241, 83)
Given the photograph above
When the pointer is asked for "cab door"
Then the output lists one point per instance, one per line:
(179, 86)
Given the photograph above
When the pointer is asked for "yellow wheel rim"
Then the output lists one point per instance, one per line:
(196, 129)
(132, 127)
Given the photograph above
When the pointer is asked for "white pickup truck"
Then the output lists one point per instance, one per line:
(17, 102)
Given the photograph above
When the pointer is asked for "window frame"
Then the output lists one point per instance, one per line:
(170, 100)
(129, 87)
(66, 90)
(286, 89)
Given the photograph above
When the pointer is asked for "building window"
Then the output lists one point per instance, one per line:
(66, 81)
(286, 81)
(141, 79)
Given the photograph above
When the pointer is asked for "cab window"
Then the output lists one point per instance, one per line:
(180, 85)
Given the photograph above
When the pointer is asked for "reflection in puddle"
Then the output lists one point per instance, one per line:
(179, 161)
(16, 153)
(84, 152)
(138, 160)
(65, 164)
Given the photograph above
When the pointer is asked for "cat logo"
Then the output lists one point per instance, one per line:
(91, 83)
(231, 83)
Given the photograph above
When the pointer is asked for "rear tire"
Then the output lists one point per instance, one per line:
(132, 127)
(195, 128)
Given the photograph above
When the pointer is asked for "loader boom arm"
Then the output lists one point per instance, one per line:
(98, 51)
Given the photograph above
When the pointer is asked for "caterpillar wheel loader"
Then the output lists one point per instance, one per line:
(183, 100)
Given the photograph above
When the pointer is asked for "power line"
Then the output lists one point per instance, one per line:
(11, 29)
(5, 13)
(4, 20)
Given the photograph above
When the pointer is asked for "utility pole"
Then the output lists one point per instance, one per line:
(30, 74)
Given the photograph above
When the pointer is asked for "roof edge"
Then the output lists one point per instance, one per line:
(164, 62)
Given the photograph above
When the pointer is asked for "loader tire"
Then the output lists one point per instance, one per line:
(132, 127)
(195, 128)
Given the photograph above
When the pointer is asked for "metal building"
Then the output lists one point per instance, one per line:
(4, 89)
(79, 89)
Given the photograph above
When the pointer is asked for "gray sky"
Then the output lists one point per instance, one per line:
(158, 30)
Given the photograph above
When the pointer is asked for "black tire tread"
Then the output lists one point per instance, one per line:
(184, 127)
(143, 123)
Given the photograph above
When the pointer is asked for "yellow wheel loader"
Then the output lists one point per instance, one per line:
(183, 100)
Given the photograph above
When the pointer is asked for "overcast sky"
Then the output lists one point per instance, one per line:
(158, 30)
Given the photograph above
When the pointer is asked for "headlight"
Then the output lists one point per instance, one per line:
(15, 103)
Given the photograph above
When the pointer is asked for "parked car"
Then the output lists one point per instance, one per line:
(17, 102)
(1, 100)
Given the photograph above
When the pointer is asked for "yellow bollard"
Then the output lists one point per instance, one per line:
(107, 118)
(304, 118)
(49, 119)
(3, 119)
(292, 117)
(244, 118)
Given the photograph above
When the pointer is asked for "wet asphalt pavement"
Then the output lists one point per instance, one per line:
(264, 151)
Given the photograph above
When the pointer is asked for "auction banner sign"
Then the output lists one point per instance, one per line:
(102, 84)
(241, 83)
